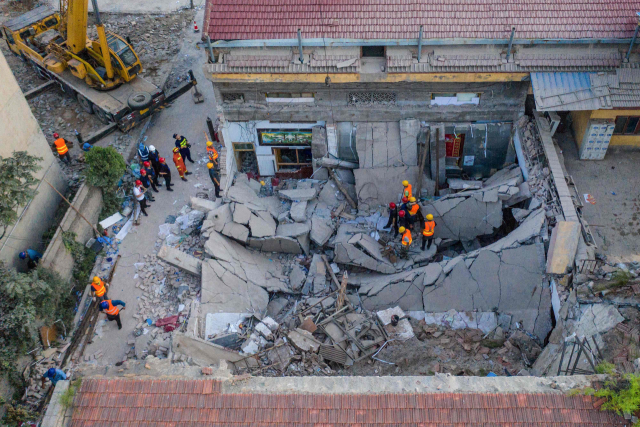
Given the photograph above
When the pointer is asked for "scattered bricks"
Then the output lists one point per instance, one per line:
(635, 335)
(619, 360)
(207, 370)
(636, 289)
(484, 350)
(598, 403)
(623, 328)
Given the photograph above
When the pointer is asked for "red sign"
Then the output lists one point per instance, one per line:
(454, 145)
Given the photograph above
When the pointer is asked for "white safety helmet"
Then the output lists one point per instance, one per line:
(152, 148)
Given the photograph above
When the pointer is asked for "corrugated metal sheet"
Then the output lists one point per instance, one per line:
(566, 92)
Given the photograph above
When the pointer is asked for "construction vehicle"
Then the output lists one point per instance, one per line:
(102, 74)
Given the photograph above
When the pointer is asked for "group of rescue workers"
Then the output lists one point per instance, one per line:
(152, 167)
(408, 216)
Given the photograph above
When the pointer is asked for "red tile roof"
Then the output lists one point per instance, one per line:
(155, 403)
(401, 19)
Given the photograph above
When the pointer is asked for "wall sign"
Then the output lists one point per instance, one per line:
(284, 136)
(469, 160)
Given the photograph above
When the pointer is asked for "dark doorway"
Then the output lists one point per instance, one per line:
(373, 51)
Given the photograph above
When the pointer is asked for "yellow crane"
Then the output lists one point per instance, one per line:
(102, 73)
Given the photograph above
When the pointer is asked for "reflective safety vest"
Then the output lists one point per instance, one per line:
(212, 152)
(414, 209)
(61, 146)
(112, 309)
(406, 238)
(407, 192)
(99, 288)
(429, 227)
(183, 143)
(143, 154)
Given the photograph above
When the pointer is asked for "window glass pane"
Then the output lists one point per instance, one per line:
(620, 122)
(288, 156)
(631, 124)
(443, 95)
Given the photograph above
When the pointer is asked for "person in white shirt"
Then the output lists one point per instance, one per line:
(138, 192)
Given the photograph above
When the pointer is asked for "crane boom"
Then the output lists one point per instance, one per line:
(76, 19)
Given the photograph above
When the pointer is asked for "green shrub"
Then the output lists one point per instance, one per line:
(16, 176)
(622, 393)
(605, 368)
(105, 167)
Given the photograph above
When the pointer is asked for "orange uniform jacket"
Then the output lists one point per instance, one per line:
(177, 159)
(61, 146)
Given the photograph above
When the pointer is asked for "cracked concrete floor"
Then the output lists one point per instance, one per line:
(615, 218)
(188, 119)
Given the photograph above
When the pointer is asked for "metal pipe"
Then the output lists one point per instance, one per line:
(633, 41)
(300, 45)
(319, 42)
(213, 59)
(513, 32)
(420, 44)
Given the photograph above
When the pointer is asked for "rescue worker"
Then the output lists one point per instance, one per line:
(138, 192)
(61, 147)
(406, 241)
(427, 233)
(402, 220)
(99, 289)
(215, 178)
(154, 158)
(143, 153)
(179, 162)
(414, 214)
(151, 174)
(403, 206)
(406, 189)
(32, 256)
(54, 375)
(112, 312)
(146, 183)
(183, 145)
(165, 172)
(212, 153)
(393, 218)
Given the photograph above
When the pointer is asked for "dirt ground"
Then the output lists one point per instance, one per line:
(615, 217)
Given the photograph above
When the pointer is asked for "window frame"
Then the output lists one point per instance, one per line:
(277, 155)
(290, 97)
(447, 99)
(636, 130)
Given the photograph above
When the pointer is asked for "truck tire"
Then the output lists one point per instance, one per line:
(140, 100)
(85, 104)
(101, 115)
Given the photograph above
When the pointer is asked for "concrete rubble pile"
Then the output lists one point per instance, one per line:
(164, 307)
(33, 373)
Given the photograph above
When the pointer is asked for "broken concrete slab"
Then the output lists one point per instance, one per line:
(485, 321)
(403, 330)
(510, 175)
(463, 184)
(205, 205)
(321, 230)
(497, 281)
(276, 306)
(597, 319)
(223, 323)
(298, 211)
(255, 185)
(248, 265)
(530, 228)
(240, 213)
(181, 260)
(222, 221)
(378, 186)
(242, 193)
(297, 277)
(363, 251)
(262, 224)
(203, 353)
(293, 229)
(303, 340)
(299, 195)
(465, 217)
(563, 246)
(225, 292)
(286, 245)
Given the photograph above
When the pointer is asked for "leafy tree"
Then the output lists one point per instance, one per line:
(105, 167)
(16, 181)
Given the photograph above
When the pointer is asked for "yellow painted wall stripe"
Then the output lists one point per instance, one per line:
(356, 77)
